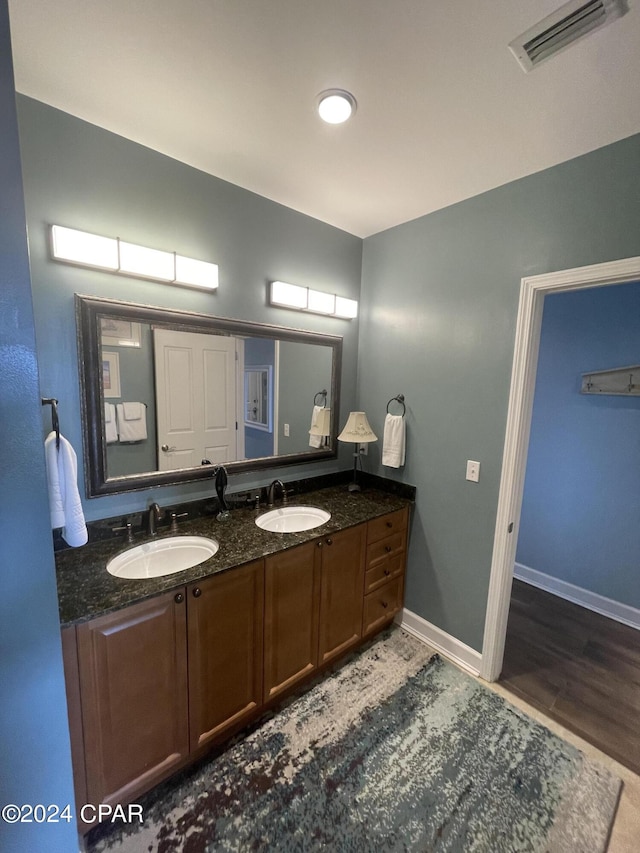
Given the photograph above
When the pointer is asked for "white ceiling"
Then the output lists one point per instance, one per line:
(229, 86)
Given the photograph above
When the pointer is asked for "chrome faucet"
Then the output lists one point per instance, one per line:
(271, 492)
(155, 514)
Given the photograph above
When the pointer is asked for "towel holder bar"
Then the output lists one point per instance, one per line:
(399, 398)
(322, 394)
(55, 422)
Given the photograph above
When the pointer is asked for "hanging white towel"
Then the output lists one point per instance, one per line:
(64, 498)
(110, 425)
(393, 441)
(132, 421)
(315, 440)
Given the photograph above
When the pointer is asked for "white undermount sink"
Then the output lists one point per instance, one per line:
(292, 519)
(162, 557)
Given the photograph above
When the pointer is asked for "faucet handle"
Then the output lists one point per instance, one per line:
(127, 526)
(174, 516)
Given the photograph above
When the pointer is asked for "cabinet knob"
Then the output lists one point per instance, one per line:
(197, 592)
(387, 548)
(387, 573)
(320, 544)
(178, 598)
(389, 523)
(329, 541)
(384, 604)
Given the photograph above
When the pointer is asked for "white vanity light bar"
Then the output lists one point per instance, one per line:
(115, 255)
(316, 301)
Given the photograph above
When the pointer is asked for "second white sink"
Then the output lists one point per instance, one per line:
(292, 519)
(162, 557)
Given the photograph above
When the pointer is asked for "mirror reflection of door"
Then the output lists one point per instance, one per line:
(196, 395)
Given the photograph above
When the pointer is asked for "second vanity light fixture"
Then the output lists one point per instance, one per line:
(317, 302)
(115, 255)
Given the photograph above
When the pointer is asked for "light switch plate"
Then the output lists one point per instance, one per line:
(473, 471)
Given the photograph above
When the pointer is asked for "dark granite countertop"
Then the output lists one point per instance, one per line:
(86, 589)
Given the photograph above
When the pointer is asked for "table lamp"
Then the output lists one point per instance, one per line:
(357, 431)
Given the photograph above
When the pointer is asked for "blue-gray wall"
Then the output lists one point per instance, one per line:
(78, 175)
(35, 762)
(581, 503)
(438, 311)
(304, 371)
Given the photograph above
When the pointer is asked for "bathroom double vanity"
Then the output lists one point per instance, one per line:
(160, 670)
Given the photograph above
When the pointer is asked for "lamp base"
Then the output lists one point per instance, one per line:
(354, 487)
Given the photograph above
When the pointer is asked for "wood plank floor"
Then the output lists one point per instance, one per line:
(578, 667)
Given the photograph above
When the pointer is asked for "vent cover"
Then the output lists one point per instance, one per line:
(564, 26)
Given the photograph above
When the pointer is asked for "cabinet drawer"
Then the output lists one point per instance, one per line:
(385, 549)
(381, 527)
(390, 567)
(382, 605)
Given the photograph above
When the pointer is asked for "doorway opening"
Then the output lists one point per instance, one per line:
(533, 289)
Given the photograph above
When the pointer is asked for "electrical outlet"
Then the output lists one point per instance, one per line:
(473, 471)
(286, 430)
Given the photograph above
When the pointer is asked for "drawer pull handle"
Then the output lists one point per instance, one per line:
(388, 549)
(320, 544)
(178, 598)
(387, 573)
(329, 541)
(384, 604)
(197, 592)
(389, 523)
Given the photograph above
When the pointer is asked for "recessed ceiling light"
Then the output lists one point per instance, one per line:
(336, 105)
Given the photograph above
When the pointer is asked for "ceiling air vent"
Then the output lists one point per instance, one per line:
(564, 26)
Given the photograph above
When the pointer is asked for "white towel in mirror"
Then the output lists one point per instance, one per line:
(132, 421)
(393, 441)
(315, 440)
(110, 425)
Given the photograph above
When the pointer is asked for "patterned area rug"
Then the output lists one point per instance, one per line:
(397, 751)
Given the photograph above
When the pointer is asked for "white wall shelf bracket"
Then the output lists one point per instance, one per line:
(621, 381)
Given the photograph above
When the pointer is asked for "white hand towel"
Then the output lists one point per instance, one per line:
(315, 440)
(393, 441)
(64, 498)
(132, 421)
(110, 425)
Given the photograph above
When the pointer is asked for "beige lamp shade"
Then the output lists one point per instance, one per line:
(357, 429)
(322, 424)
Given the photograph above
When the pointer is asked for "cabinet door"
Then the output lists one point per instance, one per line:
(343, 557)
(292, 603)
(133, 685)
(225, 627)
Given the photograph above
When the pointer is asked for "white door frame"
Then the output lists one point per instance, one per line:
(514, 461)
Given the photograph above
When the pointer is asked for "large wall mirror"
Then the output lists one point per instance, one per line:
(168, 394)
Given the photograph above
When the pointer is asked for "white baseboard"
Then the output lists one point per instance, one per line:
(591, 600)
(455, 650)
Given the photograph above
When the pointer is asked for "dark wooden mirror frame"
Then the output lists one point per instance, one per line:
(88, 311)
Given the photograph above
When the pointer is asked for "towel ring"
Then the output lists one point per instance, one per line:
(399, 398)
(322, 394)
(55, 422)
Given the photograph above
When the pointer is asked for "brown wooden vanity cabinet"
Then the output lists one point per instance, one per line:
(161, 678)
(291, 617)
(224, 631)
(155, 681)
(385, 566)
(342, 558)
(132, 667)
